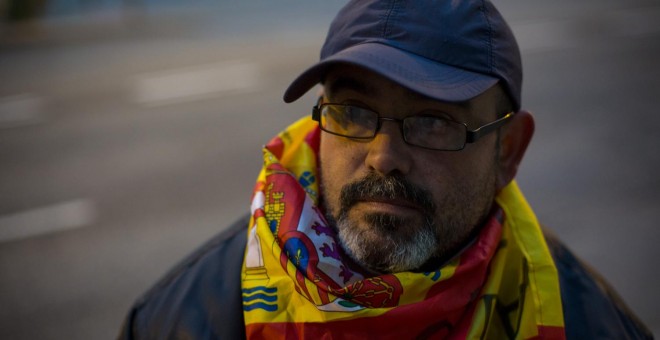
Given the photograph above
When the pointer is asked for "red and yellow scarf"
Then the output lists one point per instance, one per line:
(296, 284)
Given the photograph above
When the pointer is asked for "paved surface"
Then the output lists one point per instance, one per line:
(110, 172)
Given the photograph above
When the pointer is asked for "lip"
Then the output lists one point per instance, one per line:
(388, 205)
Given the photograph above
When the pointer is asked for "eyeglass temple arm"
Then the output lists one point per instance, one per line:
(316, 113)
(473, 135)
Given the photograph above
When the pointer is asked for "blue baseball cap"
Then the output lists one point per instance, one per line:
(449, 50)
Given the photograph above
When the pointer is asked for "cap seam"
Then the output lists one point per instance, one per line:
(390, 13)
(484, 11)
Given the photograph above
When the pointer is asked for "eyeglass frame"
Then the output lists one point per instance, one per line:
(471, 136)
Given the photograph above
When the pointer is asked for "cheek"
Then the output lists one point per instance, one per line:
(339, 164)
(340, 156)
(476, 160)
(452, 174)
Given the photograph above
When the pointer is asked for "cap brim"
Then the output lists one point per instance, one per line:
(414, 72)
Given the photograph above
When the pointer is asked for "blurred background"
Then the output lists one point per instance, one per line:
(130, 132)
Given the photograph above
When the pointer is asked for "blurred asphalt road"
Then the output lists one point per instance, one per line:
(129, 138)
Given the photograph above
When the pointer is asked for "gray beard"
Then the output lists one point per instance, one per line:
(389, 253)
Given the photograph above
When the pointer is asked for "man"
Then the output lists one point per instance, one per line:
(392, 211)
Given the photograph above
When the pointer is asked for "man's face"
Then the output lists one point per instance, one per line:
(398, 207)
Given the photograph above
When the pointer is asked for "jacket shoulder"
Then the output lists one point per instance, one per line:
(198, 298)
(592, 308)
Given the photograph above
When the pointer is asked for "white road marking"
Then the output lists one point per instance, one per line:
(63, 216)
(196, 82)
(20, 110)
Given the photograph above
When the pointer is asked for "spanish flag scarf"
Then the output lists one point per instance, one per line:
(296, 283)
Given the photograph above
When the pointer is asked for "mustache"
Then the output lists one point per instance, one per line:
(395, 186)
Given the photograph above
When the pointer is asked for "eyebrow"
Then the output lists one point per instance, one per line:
(352, 84)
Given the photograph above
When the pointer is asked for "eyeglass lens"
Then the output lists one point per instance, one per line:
(425, 131)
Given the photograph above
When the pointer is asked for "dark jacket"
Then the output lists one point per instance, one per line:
(201, 297)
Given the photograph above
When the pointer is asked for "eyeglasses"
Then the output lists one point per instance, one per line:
(429, 132)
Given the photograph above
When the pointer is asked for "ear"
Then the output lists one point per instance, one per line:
(514, 139)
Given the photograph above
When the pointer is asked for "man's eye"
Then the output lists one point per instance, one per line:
(337, 114)
(432, 124)
(358, 116)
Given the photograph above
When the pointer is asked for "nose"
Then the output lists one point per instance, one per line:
(388, 152)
